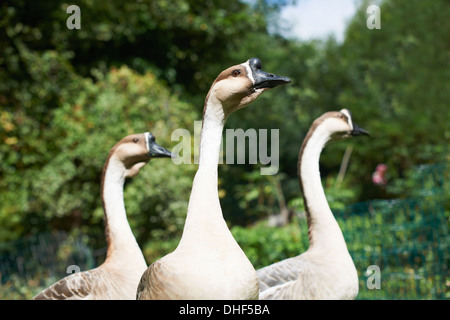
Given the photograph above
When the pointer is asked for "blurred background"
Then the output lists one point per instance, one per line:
(67, 96)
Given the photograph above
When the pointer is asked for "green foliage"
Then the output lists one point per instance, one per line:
(61, 172)
(264, 244)
(67, 96)
(395, 88)
(407, 238)
(394, 81)
(183, 39)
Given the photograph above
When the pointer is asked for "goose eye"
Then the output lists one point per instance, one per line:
(236, 73)
(135, 140)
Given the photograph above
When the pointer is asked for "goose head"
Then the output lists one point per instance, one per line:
(135, 150)
(239, 85)
(340, 124)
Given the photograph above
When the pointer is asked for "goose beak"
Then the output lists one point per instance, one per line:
(262, 79)
(358, 131)
(156, 151)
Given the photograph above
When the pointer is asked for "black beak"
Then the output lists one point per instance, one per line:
(358, 131)
(156, 151)
(264, 80)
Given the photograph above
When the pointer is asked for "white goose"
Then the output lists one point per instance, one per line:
(326, 270)
(208, 263)
(118, 276)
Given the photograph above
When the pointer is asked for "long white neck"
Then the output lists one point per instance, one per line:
(211, 135)
(323, 230)
(121, 241)
(204, 209)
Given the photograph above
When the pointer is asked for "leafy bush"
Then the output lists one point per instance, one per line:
(60, 153)
(265, 244)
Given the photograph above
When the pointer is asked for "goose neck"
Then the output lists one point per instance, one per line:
(204, 211)
(211, 135)
(323, 227)
(120, 239)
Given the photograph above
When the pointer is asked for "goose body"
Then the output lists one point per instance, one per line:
(208, 263)
(326, 270)
(118, 276)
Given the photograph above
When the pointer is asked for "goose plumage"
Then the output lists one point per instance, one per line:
(118, 276)
(208, 263)
(326, 270)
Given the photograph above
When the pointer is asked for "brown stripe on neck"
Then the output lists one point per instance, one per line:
(102, 193)
(308, 136)
(299, 163)
(223, 75)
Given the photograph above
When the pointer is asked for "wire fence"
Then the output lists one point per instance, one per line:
(400, 247)
(33, 263)
(407, 240)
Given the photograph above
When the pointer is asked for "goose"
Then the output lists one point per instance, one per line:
(208, 263)
(325, 270)
(118, 276)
